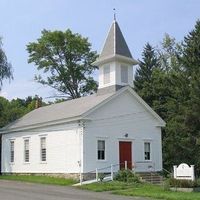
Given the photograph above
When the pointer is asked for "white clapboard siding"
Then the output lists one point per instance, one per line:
(63, 150)
(111, 122)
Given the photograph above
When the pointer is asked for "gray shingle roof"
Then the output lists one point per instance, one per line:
(64, 110)
(115, 43)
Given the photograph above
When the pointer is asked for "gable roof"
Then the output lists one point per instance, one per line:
(115, 47)
(162, 123)
(72, 109)
(55, 112)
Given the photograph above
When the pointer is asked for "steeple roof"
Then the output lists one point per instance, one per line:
(115, 46)
(115, 43)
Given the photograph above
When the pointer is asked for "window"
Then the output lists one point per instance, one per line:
(124, 74)
(106, 74)
(12, 151)
(26, 150)
(147, 152)
(43, 151)
(101, 149)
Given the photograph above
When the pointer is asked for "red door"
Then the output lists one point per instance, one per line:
(125, 154)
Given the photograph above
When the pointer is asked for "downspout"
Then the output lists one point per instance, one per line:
(80, 162)
(0, 152)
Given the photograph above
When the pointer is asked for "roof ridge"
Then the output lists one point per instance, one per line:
(58, 111)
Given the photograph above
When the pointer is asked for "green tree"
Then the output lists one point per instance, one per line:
(4, 105)
(143, 82)
(172, 89)
(162, 87)
(16, 108)
(65, 59)
(5, 67)
(191, 66)
(169, 53)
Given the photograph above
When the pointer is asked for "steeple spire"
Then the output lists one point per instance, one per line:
(115, 62)
(115, 46)
(114, 10)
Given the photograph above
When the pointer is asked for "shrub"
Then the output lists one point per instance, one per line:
(197, 182)
(166, 185)
(127, 176)
(101, 176)
(183, 183)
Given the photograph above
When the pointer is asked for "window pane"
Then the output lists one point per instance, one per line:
(26, 150)
(101, 145)
(26, 144)
(124, 74)
(147, 147)
(12, 144)
(101, 155)
(106, 74)
(43, 142)
(147, 150)
(43, 148)
(101, 149)
(43, 155)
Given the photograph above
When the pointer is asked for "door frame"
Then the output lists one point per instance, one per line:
(125, 140)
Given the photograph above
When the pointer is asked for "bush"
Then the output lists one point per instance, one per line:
(183, 183)
(127, 176)
(102, 176)
(166, 185)
(197, 181)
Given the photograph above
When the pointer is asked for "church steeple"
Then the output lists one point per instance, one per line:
(115, 61)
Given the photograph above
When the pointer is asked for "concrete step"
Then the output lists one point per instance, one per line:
(153, 177)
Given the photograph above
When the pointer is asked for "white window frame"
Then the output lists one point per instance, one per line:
(99, 159)
(124, 74)
(12, 151)
(41, 149)
(26, 150)
(150, 150)
(106, 74)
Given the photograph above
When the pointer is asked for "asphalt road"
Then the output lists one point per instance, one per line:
(11, 190)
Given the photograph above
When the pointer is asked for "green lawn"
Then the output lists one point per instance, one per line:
(109, 186)
(128, 189)
(142, 190)
(38, 179)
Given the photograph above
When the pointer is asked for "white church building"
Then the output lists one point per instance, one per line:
(110, 127)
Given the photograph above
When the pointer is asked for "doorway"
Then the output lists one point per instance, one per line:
(125, 154)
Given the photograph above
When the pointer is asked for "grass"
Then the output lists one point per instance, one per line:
(108, 186)
(39, 179)
(141, 190)
(116, 187)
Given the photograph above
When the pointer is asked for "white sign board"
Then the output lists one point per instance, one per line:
(184, 171)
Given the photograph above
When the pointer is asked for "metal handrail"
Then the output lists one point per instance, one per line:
(114, 165)
(97, 170)
(168, 172)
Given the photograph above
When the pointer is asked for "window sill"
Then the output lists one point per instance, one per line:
(11, 163)
(147, 161)
(26, 163)
(43, 162)
(101, 160)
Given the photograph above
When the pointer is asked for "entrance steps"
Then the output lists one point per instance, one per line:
(151, 177)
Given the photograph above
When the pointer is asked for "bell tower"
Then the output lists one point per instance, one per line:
(115, 62)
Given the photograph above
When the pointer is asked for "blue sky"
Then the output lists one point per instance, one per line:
(141, 21)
